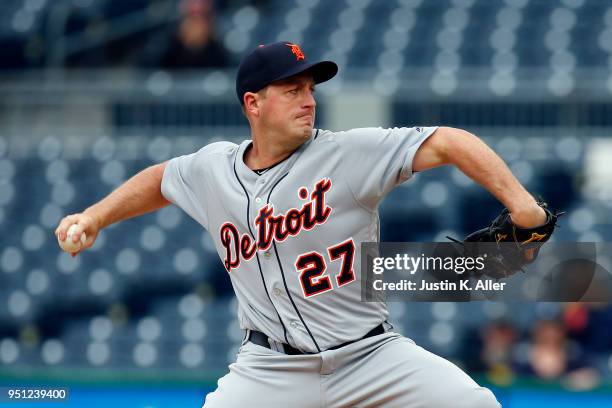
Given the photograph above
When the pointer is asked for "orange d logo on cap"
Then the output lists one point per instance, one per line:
(297, 51)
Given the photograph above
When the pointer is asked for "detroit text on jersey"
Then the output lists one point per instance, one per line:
(275, 227)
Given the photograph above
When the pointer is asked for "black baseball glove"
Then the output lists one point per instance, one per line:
(505, 247)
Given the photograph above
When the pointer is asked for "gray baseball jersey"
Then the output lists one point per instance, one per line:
(290, 237)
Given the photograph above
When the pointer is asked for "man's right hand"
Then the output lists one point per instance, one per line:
(85, 223)
(139, 195)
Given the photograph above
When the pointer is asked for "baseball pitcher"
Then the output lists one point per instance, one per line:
(287, 210)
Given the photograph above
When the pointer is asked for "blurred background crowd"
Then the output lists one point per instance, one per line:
(91, 91)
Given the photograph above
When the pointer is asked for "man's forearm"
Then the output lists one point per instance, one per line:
(474, 158)
(479, 162)
(138, 195)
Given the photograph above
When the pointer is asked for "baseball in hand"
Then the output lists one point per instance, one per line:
(69, 245)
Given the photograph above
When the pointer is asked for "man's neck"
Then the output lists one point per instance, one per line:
(263, 154)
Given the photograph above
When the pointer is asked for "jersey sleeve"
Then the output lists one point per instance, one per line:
(183, 184)
(379, 159)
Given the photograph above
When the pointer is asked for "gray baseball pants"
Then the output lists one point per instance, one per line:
(388, 370)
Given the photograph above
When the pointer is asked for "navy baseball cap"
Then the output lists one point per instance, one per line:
(273, 62)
